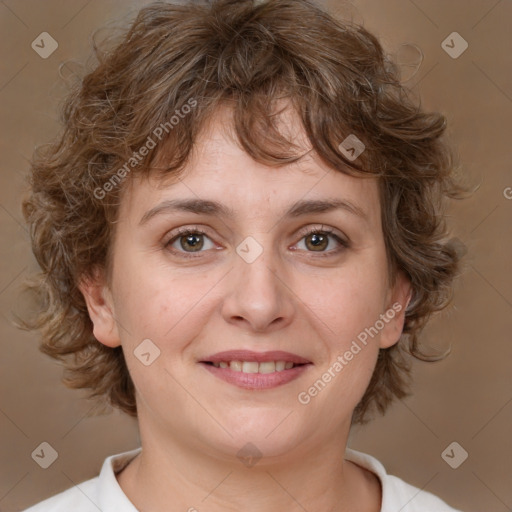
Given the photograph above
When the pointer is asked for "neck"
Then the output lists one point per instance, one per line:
(315, 477)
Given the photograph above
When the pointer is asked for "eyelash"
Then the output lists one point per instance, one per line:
(182, 232)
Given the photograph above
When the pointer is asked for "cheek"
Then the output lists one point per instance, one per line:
(347, 302)
(155, 305)
(345, 314)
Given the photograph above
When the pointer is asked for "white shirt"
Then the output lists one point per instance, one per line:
(104, 493)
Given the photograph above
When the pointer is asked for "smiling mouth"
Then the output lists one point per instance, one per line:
(255, 366)
(256, 375)
(253, 370)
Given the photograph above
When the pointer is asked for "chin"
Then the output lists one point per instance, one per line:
(270, 434)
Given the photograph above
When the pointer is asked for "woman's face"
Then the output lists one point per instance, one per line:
(252, 279)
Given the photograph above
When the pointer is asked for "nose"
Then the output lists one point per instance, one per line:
(259, 296)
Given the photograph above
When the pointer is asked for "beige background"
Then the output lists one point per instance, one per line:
(466, 398)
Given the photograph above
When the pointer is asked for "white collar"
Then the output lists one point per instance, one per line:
(112, 497)
(396, 494)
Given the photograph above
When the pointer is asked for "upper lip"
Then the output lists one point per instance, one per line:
(260, 357)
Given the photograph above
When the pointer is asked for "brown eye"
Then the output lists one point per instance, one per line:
(317, 241)
(193, 241)
(188, 241)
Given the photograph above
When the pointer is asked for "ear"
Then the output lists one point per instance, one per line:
(398, 300)
(100, 307)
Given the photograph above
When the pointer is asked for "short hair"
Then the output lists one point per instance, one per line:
(248, 55)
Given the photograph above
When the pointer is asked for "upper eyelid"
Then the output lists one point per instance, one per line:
(205, 230)
(305, 231)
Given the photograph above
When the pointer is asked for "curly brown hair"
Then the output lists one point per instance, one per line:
(251, 54)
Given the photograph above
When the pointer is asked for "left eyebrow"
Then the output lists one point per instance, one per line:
(214, 208)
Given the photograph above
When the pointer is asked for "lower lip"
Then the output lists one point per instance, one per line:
(257, 380)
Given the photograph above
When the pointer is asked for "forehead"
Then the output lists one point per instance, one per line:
(219, 169)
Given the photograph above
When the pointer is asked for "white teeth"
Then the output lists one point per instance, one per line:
(250, 367)
(280, 366)
(255, 367)
(235, 366)
(267, 367)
